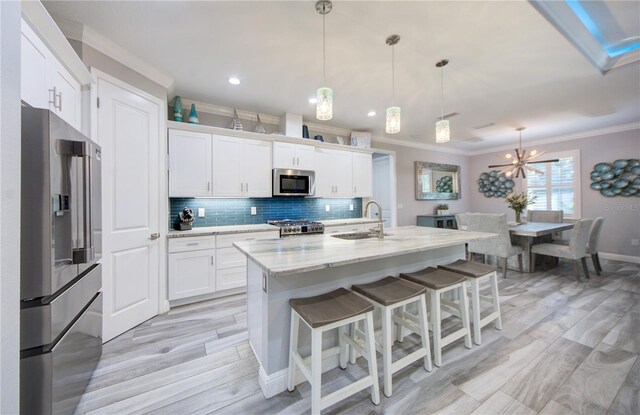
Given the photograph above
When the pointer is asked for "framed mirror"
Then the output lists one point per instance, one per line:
(437, 181)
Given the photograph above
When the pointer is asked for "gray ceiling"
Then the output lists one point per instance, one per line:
(508, 65)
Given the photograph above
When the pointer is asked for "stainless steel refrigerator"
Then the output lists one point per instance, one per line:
(61, 278)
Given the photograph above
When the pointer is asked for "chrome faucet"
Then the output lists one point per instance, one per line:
(379, 232)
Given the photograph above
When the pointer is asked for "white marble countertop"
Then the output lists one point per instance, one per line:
(354, 221)
(279, 257)
(220, 230)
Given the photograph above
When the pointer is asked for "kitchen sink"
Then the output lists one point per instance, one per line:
(356, 235)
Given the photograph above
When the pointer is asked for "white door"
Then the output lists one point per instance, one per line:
(305, 157)
(382, 187)
(189, 164)
(129, 131)
(362, 171)
(228, 166)
(284, 155)
(257, 168)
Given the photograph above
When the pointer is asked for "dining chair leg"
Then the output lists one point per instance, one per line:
(595, 264)
(598, 261)
(504, 267)
(520, 267)
(532, 266)
(584, 267)
(576, 269)
(484, 258)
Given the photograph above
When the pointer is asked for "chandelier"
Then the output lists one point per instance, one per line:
(521, 161)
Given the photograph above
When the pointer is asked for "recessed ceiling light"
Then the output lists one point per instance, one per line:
(313, 100)
(371, 114)
(234, 81)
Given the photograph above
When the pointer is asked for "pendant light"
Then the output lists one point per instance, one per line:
(442, 127)
(324, 95)
(520, 163)
(392, 125)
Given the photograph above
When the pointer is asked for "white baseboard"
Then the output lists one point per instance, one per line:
(272, 385)
(617, 257)
(204, 297)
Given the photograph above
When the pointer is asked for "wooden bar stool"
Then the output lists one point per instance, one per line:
(438, 282)
(387, 295)
(478, 273)
(335, 309)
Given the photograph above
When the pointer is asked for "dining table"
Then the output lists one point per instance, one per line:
(530, 233)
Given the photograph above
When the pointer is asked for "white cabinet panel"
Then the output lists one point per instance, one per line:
(191, 273)
(284, 155)
(305, 157)
(35, 74)
(362, 175)
(324, 173)
(228, 166)
(69, 96)
(227, 279)
(191, 243)
(334, 173)
(230, 258)
(257, 168)
(189, 164)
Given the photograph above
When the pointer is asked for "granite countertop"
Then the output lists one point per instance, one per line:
(220, 230)
(279, 257)
(337, 222)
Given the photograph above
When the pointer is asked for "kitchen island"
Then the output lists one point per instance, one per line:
(308, 265)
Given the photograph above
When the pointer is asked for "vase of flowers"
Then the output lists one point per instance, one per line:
(442, 209)
(519, 202)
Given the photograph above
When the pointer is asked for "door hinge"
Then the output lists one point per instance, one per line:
(98, 102)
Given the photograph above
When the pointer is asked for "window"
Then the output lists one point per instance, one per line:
(557, 187)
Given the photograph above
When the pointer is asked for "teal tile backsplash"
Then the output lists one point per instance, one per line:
(221, 212)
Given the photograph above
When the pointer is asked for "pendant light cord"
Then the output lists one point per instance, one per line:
(393, 74)
(441, 94)
(324, 52)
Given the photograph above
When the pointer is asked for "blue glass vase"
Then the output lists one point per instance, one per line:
(193, 115)
(177, 109)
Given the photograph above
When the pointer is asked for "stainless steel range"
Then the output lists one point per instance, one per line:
(290, 227)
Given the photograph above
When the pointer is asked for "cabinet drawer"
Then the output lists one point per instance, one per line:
(345, 228)
(230, 258)
(191, 243)
(231, 278)
(226, 241)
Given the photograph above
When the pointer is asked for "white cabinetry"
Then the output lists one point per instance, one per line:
(334, 175)
(200, 265)
(293, 156)
(241, 167)
(45, 83)
(362, 175)
(189, 164)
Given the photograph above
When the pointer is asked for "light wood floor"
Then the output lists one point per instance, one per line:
(564, 348)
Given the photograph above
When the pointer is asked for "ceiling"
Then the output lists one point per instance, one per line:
(508, 65)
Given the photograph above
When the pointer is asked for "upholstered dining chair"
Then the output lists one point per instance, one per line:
(500, 247)
(592, 243)
(575, 250)
(545, 216)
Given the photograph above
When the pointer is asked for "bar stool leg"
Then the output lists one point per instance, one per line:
(293, 346)
(344, 354)
(370, 346)
(475, 303)
(316, 371)
(401, 332)
(352, 350)
(496, 299)
(435, 326)
(388, 333)
(424, 332)
(464, 310)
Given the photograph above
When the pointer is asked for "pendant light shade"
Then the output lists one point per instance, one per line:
(324, 104)
(392, 125)
(324, 95)
(443, 133)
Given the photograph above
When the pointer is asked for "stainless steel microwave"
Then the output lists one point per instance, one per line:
(288, 182)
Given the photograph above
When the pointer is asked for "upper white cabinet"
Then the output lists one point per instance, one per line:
(334, 175)
(241, 167)
(362, 175)
(189, 164)
(293, 156)
(45, 83)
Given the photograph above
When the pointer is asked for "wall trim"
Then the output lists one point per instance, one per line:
(88, 36)
(568, 137)
(618, 257)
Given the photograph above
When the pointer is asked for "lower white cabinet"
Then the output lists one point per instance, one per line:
(192, 273)
(201, 265)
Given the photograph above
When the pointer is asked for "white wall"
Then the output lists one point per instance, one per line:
(9, 205)
(622, 214)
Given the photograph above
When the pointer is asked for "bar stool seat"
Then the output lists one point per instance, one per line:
(333, 310)
(438, 282)
(388, 295)
(477, 273)
(330, 307)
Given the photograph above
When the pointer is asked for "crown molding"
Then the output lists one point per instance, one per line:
(419, 146)
(583, 134)
(88, 36)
